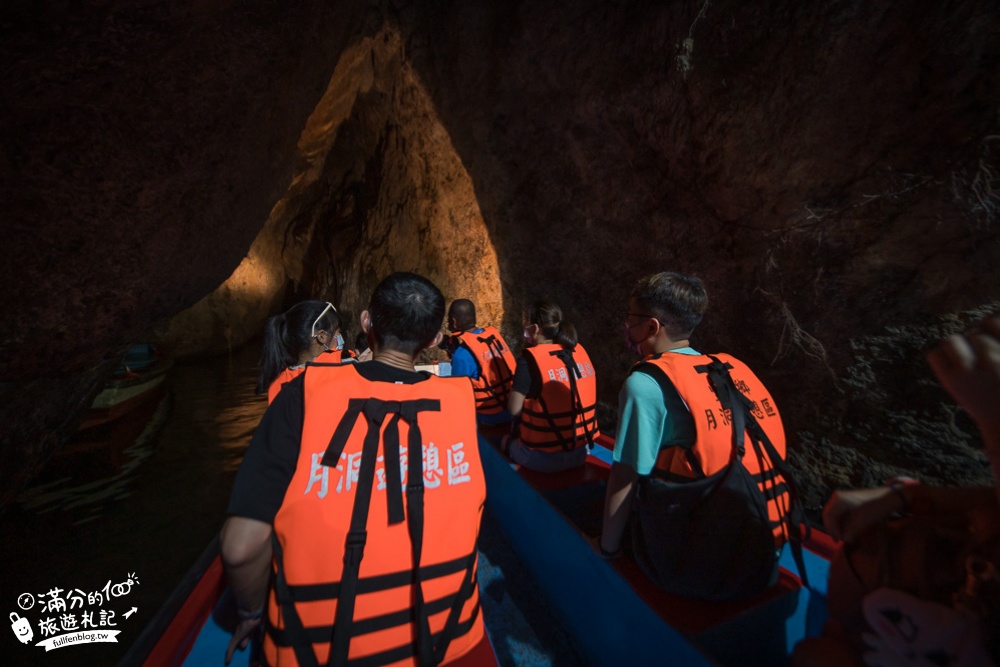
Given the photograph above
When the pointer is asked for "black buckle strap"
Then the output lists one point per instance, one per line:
(572, 372)
(451, 627)
(730, 398)
(491, 390)
(304, 653)
(375, 410)
(744, 421)
(392, 619)
(375, 583)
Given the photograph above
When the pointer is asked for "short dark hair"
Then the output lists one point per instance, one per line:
(679, 302)
(464, 312)
(406, 312)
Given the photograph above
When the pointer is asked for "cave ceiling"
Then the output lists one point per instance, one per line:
(183, 170)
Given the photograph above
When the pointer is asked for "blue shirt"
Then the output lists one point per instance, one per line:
(462, 361)
(464, 364)
(649, 421)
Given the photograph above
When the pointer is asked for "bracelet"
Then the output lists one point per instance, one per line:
(250, 615)
(609, 554)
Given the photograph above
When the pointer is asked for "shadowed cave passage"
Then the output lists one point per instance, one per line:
(378, 188)
(830, 172)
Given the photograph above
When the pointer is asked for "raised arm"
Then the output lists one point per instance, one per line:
(968, 367)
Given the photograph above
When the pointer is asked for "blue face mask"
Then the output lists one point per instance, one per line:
(340, 341)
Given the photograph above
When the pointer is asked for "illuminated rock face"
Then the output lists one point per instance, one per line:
(379, 188)
(830, 172)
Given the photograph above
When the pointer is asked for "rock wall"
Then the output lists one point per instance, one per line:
(379, 188)
(141, 146)
(830, 171)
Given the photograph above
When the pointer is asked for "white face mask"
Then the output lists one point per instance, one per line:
(329, 307)
(340, 342)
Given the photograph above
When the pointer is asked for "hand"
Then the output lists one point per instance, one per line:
(241, 636)
(850, 514)
(968, 367)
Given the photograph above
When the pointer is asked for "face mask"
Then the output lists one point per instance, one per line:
(629, 343)
(528, 338)
(340, 342)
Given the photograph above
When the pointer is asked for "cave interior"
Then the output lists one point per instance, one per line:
(178, 172)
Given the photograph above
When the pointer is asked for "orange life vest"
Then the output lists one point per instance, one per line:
(561, 416)
(713, 448)
(289, 374)
(357, 578)
(495, 362)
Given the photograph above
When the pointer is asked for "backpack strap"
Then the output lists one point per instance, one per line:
(745, 422)
(670, 392)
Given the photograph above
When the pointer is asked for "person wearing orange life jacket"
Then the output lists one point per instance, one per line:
(320, 544)
(299, 335)
(481, 354)
(674, 429)
(553, 396)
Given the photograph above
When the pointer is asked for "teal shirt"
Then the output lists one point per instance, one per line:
(649, 421)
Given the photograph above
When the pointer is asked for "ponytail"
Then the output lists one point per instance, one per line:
(567, 336)
(289, 334)
(275, 356)
(549, 318)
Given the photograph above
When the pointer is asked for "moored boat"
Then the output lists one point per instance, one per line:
(138, 376)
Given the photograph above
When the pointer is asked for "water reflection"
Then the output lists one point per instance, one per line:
(72, 482)
(147, 503)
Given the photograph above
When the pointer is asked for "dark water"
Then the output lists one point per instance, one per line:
(139, 500)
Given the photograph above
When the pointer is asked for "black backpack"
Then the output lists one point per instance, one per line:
(711, 538)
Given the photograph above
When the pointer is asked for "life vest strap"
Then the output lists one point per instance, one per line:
(490, 394)
(386, 657)
(380, 582)
(535, 414)
(766, 475)
(499, 390)
(560, 423)
(745, 423)
(319, 634)
(304, 654)
(376, 410)
(407, 651)
(569, 414)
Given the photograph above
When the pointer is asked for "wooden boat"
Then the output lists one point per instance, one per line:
(138, 376)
